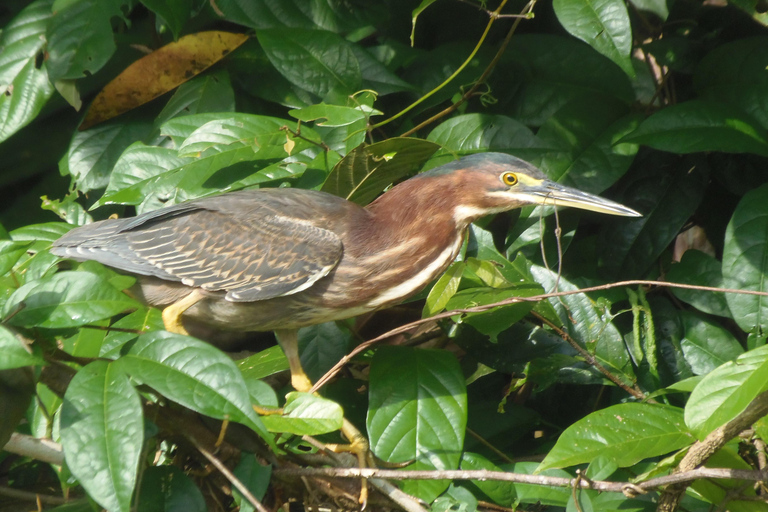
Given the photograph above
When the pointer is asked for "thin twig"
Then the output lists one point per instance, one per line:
(33, 496)
(471, 92)
(228, 475)
(515, 300)
(522, 478)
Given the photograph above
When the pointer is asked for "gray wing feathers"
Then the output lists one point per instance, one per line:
(252, 255)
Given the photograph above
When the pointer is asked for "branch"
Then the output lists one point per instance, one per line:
(703, 450)
(514, 300)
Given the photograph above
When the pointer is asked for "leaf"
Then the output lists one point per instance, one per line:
(10, 253)
(102, 433)
(700, 269)
(66, 299)
(80, 38)
(68, 209)
(322, 346)
(582, 321)
(24, 87)
(15, 354)
(368, 169)
(699, 125)
(93, 153)
(159, 72)
(543, 72)
(331, 115)
(306, 414)
(602, 24)
(445, 288)
(417, 410)
(472, 133)
(585, 131)
(415, 14)
(535, 494)
(169, 489)
(667, 198)
(726, 391)
(707, 345)
(255, 477)
(211, 92)
(502, 493)
(624, 434)
(735, 73)
(318, 61)
(263, 364)
(745, 260)
(47, 232)
(194, 374)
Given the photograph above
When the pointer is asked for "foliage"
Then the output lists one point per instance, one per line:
(661, 105)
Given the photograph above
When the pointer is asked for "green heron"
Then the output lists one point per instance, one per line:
(281, 259)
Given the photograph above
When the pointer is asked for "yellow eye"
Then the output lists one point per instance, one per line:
(509, 178)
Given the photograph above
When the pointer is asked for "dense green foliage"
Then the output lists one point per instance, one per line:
(660, 105)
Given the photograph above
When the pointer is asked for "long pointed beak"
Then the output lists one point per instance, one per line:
(553, 194)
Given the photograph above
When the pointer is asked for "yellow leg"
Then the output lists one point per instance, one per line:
(358, 444)
(289, 342)
(172, 314)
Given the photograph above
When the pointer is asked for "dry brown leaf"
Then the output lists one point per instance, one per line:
(159, 72)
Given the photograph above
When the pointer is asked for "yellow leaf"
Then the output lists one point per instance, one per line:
(159, 72)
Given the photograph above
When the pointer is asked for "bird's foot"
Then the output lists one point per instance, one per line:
(359, 446)
(172, 314)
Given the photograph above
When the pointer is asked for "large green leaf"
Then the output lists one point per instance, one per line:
(701, 269)
(707, 345)
(322, 346)
(318, 61)
(584, 323)
(194, 374)
(667, 198)
(624, 434)
(699, 125)
(548, 71)
(602, 24)
(211, 92)
(502, 493)
(24, 86)
(80, 38)
(263, 364)
(15, 354)
(93, 152)
(102, 433)
(584, 133)
(417, 411)
(726, 391)
(306, 414)
(745, 260)
(66, 299)
(368, 169)
(735, 73)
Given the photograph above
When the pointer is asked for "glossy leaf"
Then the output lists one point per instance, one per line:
(93, 153)
(534, 494)
(502, 493)
(306, 414)
(102, 433)
(211, 92)
(745, 260)
(80, 38)
(68, 209)
(548, 71)
(583, 322)
(66, 299)
(173, 14)
(318, 61)
(602, 24)
(624, 433)
(194, 374)
(735, 73)
(585, 132)
(263, 364)
(331, 115)
(368, 169)
(255, 477)
(726, 391)
(422, 417)
(698, 268)
(699, 125)
(24, 87)
(159, 72)
(169, 489)
(15, 354)
(707, 345)
(444, 289)
(322, 346)
(628, 247)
